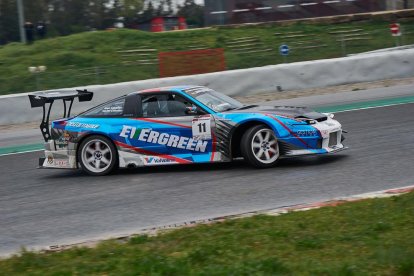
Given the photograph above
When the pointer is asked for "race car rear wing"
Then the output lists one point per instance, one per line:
(41, 99)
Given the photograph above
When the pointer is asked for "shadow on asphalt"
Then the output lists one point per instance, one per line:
(236, 165)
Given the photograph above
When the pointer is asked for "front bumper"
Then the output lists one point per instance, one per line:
(330, 141)
(307, 152)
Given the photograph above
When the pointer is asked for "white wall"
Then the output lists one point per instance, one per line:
(311, 74)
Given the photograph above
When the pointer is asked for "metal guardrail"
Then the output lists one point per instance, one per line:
(247, 45)
(138, 56)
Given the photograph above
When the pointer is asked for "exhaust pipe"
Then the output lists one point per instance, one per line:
(132, 166)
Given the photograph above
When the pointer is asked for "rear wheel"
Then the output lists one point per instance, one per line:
(97, 155)
(259, 147)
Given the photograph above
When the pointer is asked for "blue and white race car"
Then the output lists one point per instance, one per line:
(179, 125)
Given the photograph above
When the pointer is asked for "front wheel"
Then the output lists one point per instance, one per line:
(97, 155)
(259, 147)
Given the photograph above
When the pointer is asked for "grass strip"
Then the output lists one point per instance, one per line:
(94, 57)
(369, 237)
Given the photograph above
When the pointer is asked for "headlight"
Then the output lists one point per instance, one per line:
(330, 115)
(306, 120)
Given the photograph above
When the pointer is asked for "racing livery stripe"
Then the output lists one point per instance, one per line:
(160, 122)
(213, 150)
(288, 129)
(147, 152)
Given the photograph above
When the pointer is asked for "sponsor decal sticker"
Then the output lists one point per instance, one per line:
(201, 128)
(325, 133)
(115, 108)
(161, 138)
(197, 90)
(61, 163)
(154, 160)
(306, 133)
(82, 125)
(63, 139)
(57, 162)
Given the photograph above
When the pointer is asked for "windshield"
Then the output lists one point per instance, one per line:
(215, 100)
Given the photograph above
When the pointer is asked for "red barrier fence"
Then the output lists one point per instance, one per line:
(191, 62)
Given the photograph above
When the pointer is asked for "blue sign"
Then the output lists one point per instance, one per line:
(284, 50)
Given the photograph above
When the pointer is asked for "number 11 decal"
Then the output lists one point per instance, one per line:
(201, 128)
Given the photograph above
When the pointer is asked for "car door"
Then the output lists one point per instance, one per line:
(172, 129)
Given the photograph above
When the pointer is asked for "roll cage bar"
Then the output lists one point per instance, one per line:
(41, 99)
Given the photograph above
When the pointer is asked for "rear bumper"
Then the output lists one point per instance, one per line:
(58, 159)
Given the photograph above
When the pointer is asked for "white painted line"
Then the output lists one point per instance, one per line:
(263, 8)
(21, 152)
(309, 4)
(285, 6)
(351, 0)
(331, 2)
(370, 107)
(218, 12)
(241, 10)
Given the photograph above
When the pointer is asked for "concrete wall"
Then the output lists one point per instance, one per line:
(399, 4)
(311, 74)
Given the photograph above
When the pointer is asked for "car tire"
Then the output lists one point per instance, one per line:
(97, 155)
(259, 147)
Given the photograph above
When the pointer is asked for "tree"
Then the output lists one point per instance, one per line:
(35, 11)
(149, 12)
(9, 25)
(170, 9)
(64, 17)
(68, 16)
(100, 14)
(193, 13)
(130, 10)
(161, 9)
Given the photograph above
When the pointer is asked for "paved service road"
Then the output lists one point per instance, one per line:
(48, 207)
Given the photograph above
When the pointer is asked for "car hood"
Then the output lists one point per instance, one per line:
(286, 111)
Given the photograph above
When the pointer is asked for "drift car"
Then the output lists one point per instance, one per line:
(179, 125)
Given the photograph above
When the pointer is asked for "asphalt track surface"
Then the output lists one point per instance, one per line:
(49, 207)
(33, 136)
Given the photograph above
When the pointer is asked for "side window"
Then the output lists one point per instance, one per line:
(114, 108)
(167, 105)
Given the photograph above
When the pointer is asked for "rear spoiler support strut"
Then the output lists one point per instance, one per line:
(44, 125)
(41, 99)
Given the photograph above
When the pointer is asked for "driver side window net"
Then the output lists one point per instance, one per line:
(165, 105)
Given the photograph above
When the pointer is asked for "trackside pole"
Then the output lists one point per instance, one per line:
(20, 11)
(395, 29)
